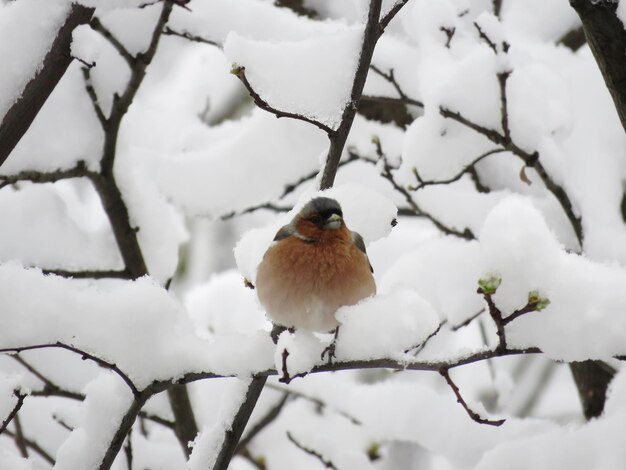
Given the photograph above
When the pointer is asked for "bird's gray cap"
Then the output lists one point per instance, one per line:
(325, 206)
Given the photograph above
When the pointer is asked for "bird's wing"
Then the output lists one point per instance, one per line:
(284, 232)
(360, 244)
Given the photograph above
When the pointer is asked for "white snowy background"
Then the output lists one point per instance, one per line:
(194, 153)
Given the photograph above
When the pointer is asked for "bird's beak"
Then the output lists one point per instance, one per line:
(333, 222)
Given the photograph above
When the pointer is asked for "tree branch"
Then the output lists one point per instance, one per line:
(327, 463)
(471, 413)
(265, 421)
(373, 31)
(607, 40)
(232, 435)
(20, 401)
(34, 447)
(97, 25)
(240, 73)
(84, 355)
(19, 117)
(189, 37)
(393, 11)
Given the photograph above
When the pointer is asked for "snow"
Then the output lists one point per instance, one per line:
(76, 313)
(312, 77)
(35, 36)
(585, 299)
(397, 321)
(106, 403)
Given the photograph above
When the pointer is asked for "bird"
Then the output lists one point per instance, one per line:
(314, 266)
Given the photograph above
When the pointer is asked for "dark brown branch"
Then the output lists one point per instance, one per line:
(319, 404)
(468, 321)
(592, 379)
(240, 73)
(393, 11)
(19, 436)
(531, 160)
(471, 413)
(93, 97)
(97, 25)
(327, 463)
(122, 431)
(497, 6)
(34, 447)
(84, 355)
(467, 169)
(20, 401)
(372, 32)
(185, 426)
(17, 120)
(264, 422)
(391, 78)
(189, 37)
(574, 39)
(607, 40)
(418, 347)
(232, 435)
(78, 171)
(413, 207)
(266, 205)
(90, 274)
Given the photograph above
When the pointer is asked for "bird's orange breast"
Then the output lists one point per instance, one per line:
(302, 284)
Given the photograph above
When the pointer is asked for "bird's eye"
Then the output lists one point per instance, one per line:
(316, 219)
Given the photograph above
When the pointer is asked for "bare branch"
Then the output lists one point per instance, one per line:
(467, 169)
(391, 78)
(20, 401)
(327, 463)
(413, 207)
(373, 31)
(91, 91)
(90, 274)
(97, 25)
(34, 447)
(265, 421)
(393, 11)
(19, 117)
(232, 435)
(84, 355)
(185, 426)
(471, 413)
(240, 73)
(189, 37)
(78, 171)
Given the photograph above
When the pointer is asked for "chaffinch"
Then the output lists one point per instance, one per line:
(314, 266)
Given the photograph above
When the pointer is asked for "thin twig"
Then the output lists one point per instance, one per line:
(418, 347)
(262, 423)
(190, 37)
(391, 78)
(372, 33)
(34, 447)
(240, 73)
(468, 321)
(393, 11)
(90, 274)
(84, 355)
(233, 434)
(20, 401)
(97, 25)
(421, 183)
(327, 463)
(91, 91)
(472, 414)
(77, 171)
(320, 404)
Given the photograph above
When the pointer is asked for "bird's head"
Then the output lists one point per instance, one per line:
(318, 216)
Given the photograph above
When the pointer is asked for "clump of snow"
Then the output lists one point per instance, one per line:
(385, 325)
(304, 351)
(312, 77)
(86, 44)
(444, 271)
(103, 317)
(255, 19)
(584, 319)
(224, 305)
(224, 176)
(107, 401)
(32, 25)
